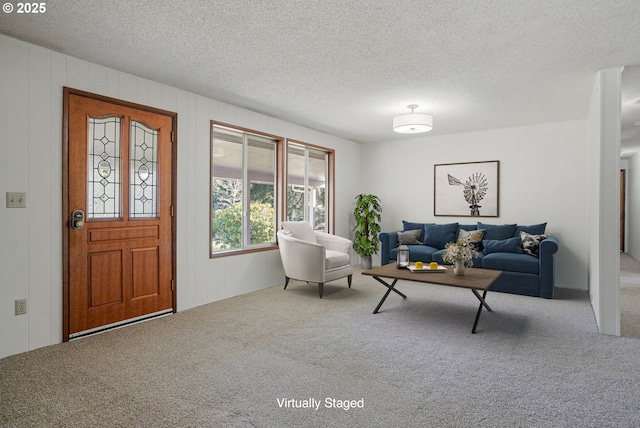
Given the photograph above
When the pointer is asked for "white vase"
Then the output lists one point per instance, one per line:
(459, 267)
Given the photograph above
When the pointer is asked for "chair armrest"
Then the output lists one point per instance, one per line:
(335, 243)
(547, 266)
(388, 240)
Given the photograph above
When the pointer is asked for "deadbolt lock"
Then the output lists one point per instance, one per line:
(77, 219)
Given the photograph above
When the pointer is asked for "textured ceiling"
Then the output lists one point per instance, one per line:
(347, 67)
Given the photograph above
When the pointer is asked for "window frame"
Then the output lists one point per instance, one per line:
(330, 211)
(277, 187)
(281, 185)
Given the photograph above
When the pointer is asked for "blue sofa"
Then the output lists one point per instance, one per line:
(501, 248)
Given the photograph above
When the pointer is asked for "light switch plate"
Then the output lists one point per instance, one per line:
(16, 200)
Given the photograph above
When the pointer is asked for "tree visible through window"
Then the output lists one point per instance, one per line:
(246, 195)
(243, 189)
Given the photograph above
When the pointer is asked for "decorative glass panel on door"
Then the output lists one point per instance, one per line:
(103, 168)
(143, 201)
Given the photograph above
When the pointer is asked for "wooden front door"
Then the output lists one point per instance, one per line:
(119, 228)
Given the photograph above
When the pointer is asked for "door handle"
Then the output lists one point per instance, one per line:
(77, 219)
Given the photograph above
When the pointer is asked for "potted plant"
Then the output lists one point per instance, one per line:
(367, 215)
(460, 255)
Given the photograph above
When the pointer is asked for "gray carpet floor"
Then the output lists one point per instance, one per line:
(256, 359)
(629, 296)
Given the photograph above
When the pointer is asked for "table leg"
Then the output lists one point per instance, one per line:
(482, 303)
(389, 289)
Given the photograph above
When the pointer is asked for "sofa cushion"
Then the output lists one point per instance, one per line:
(534, 229)
(511, 262)
(336, 259)
(410, 237)
(412, 225)
(472, 237)
(421, 253)
(437, 235)
(531, 243)
(511, 245)
(299, 230)
(497, 231)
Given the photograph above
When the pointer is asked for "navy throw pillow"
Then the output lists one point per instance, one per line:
(409, 225)
(511, 245)
(437, 235)
(497, 231)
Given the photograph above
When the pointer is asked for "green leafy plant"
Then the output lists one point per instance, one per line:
(227, 225)
(367, 214)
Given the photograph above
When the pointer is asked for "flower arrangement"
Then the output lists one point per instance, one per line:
(460, 251)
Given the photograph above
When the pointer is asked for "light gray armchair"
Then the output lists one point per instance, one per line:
(312, 256)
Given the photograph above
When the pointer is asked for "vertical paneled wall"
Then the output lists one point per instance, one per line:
(14, 177)
(31, 84)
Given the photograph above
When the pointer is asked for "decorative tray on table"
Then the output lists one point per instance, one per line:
(426, 268)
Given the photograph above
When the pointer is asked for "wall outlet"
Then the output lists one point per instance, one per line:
(16, 200)
(21, 306)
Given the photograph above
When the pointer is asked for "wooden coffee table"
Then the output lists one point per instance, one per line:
(473, 279)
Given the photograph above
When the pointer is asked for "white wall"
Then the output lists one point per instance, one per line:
(31, 82)
(543, 175)
(594, 131)
(633, 206)
(603, 151)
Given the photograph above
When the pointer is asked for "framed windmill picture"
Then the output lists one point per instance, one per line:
(468, 189)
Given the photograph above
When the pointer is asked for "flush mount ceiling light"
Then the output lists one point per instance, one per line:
(412, 123)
